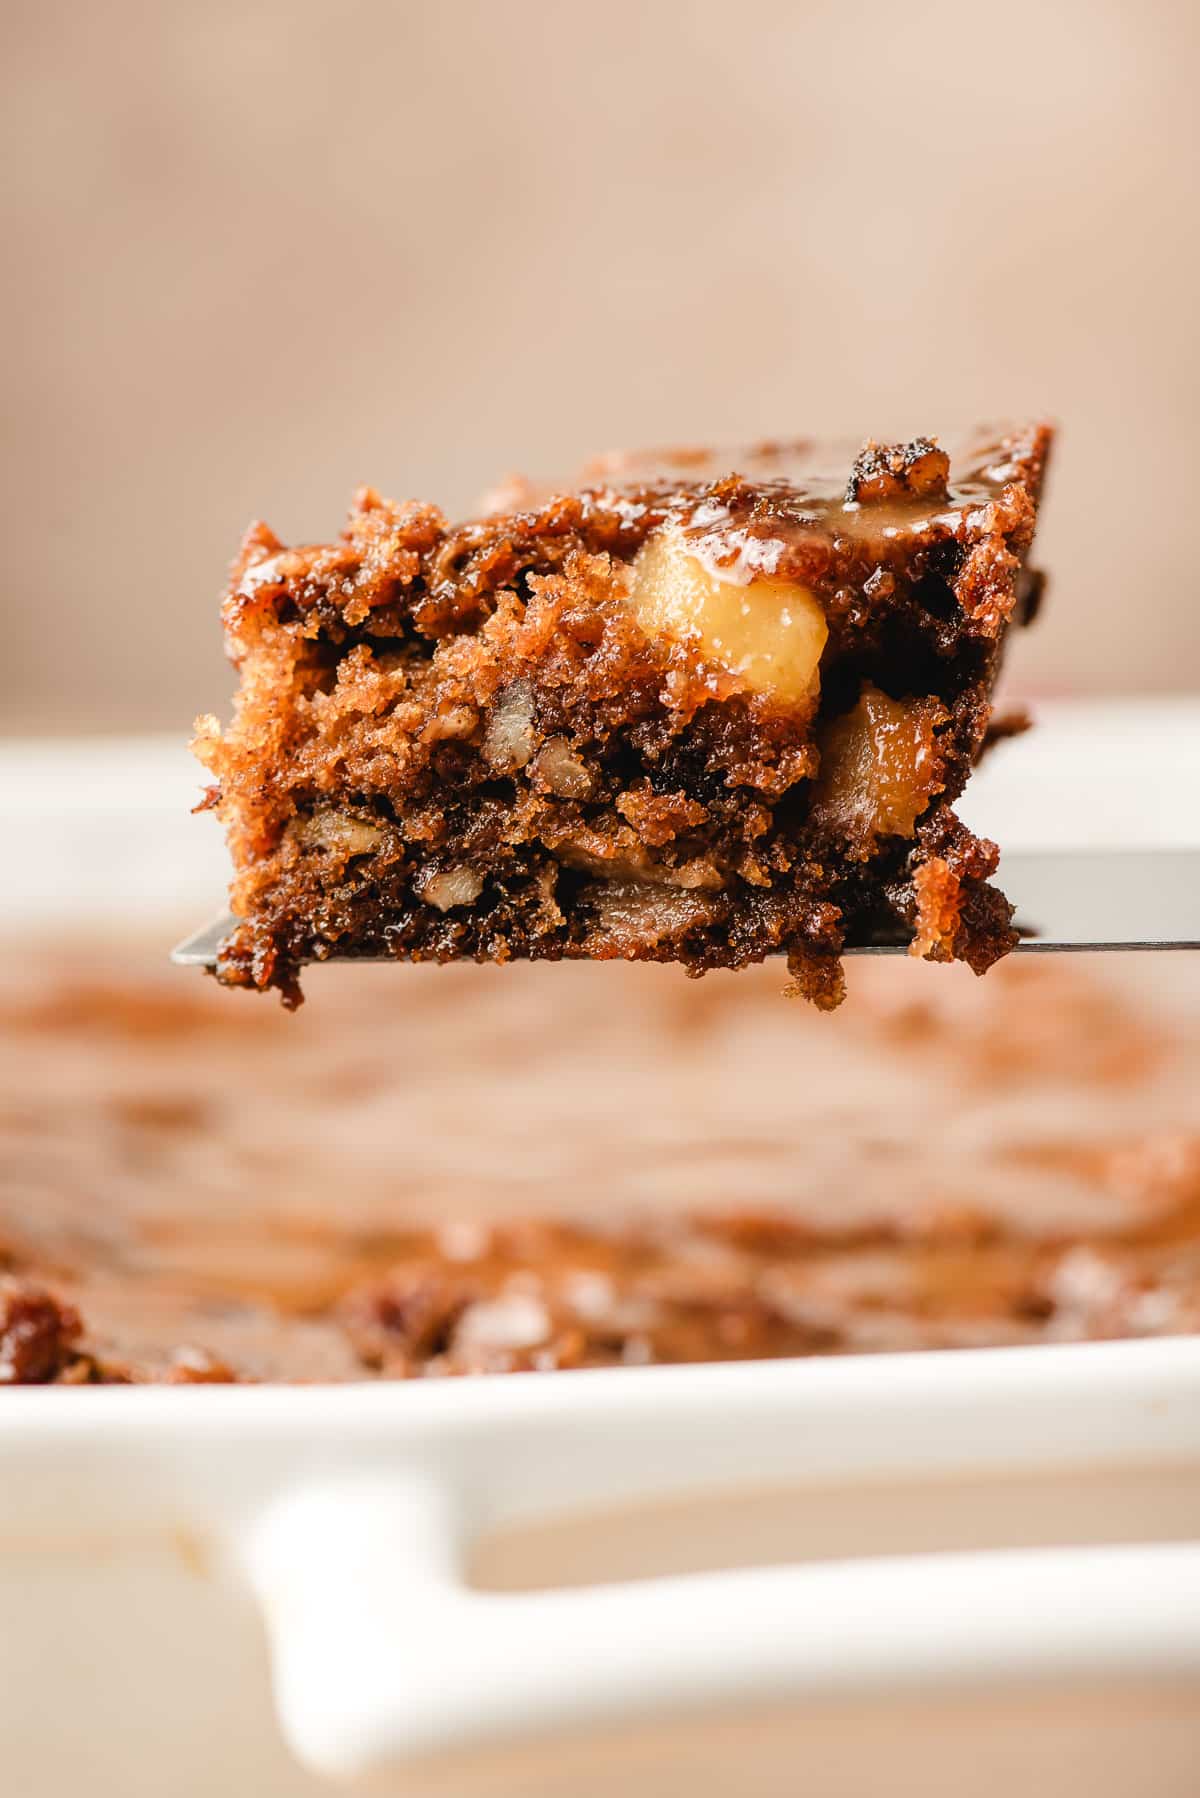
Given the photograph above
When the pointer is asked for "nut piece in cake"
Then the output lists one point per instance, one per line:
(696, 707)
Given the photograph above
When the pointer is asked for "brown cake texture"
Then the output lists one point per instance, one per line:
(697, 708)
(430, 1177)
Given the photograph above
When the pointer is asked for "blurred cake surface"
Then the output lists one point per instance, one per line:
(424, 1173)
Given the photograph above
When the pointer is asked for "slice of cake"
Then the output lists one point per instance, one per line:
(699, 708)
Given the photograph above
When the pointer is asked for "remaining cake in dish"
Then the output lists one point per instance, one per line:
(431, 1176)
(699, 708)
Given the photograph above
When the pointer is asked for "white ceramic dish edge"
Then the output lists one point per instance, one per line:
(352, 1513)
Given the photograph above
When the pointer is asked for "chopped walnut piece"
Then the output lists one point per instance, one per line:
(339, 832)
(450, 887)
(634, 914)
(559, 770)
(885, 471)
(508, 737)
(453, 724)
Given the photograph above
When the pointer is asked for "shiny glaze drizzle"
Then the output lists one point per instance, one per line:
(787, 502)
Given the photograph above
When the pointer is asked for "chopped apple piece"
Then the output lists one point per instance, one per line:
(769, 632)
(879, 767)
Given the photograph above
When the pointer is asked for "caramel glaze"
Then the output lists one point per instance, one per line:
(787, 511)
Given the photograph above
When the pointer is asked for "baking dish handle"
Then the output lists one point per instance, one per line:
(382, 1653)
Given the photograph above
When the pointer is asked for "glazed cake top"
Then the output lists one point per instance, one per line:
(826, 515)
(748, 511)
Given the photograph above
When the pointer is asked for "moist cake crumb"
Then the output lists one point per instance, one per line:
(695, 707)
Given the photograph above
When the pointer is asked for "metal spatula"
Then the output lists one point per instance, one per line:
(1065, 900)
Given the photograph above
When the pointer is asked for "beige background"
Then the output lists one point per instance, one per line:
(258, 253)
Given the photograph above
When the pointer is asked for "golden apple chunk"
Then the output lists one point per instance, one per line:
(879, 767)
(769, 632)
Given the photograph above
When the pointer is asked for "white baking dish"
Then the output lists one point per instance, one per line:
(947, 1571)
